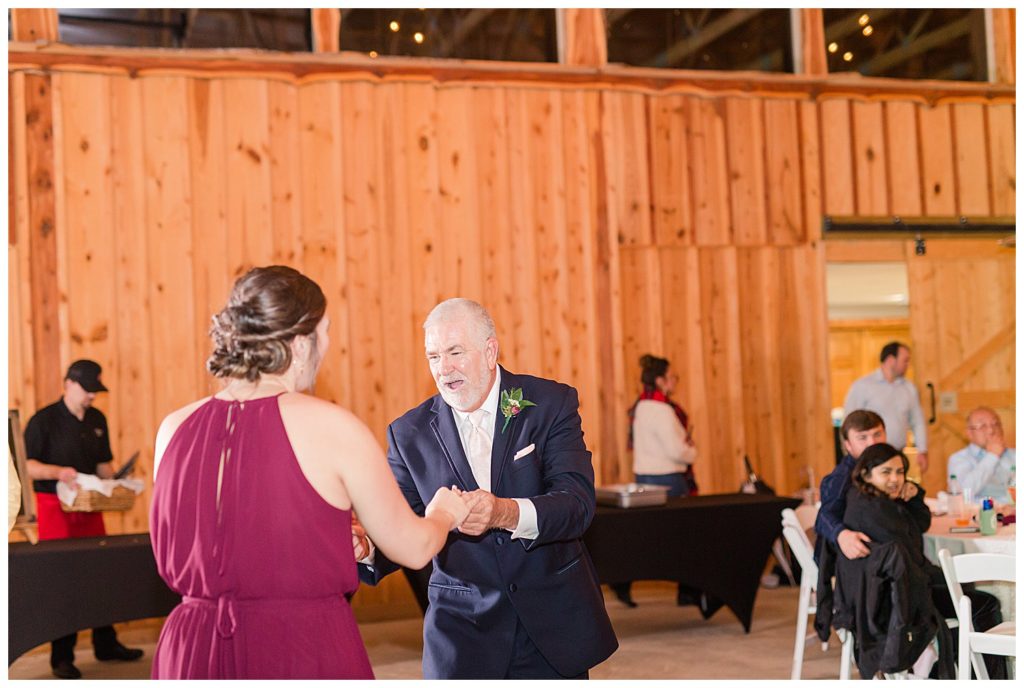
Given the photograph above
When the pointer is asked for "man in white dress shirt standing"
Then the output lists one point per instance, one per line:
(892, 396)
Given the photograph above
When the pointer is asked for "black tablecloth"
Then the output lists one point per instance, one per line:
(717, 543)
(57, 587)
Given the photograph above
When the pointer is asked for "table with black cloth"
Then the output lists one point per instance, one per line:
(57, 587)
(716, 543)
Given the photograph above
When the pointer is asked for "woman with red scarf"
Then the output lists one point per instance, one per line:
(663, 449)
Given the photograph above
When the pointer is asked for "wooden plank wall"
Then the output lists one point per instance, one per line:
(597, 224)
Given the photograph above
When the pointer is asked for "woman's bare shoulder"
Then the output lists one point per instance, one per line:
(311, 411)
(175, 418)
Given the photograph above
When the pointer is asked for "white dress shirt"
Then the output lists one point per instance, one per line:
(896, 402)
(527, 526)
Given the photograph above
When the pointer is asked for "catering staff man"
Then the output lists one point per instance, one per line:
(62, 440)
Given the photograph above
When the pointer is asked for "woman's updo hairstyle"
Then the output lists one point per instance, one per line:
(267, 308)
(873, 456)
(651, 368)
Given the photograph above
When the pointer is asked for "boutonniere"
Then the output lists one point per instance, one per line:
(512, 404)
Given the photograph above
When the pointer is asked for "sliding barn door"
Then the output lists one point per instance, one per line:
(963, 330)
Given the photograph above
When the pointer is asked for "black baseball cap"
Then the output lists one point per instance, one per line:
(87, 374)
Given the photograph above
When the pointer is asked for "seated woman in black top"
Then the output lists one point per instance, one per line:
(887, 507)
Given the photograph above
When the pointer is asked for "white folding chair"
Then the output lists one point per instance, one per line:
(793, 531)
(1001, 640)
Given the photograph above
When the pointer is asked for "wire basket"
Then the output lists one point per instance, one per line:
(121, 499)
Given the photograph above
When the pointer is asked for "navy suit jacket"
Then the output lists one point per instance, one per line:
(482, 584)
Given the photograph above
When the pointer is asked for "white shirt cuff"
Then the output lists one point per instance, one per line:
(368, 559)
(526, 529)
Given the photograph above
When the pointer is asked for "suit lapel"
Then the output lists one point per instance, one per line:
(443, 426)
(501, 447)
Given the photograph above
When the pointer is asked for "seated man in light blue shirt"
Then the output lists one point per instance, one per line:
(985, 465)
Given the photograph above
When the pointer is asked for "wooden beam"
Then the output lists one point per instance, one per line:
(42, 225)
(1001, 34)
(925, 43)
(582, 37)
(34, 25)
(467, 25)
(706, 35)
(306, 67)
(326, 23)
(809, 41)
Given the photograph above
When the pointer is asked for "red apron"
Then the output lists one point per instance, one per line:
(57, 524)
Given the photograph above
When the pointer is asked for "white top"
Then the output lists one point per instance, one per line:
(896, 402)
(527, 526)
(982, 472)
(659, 440)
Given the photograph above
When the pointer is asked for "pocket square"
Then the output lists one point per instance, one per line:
(523, 452)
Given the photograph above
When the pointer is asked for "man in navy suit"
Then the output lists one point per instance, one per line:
(514, 593)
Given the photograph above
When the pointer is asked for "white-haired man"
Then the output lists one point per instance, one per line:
(514, 593)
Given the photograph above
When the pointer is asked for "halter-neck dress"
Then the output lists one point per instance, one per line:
(265, 576)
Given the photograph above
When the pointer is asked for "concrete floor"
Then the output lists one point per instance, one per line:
(657, 640)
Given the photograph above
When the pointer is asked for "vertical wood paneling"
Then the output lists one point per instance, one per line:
(286, 186)
(870, 159)
(213, 272)
(723, 367)
(362, 227)
(837, 157)
(323, 229)
(971, 159)
(248, 189)
(782, 156)
(709, 172)
(460, 212)
(745, 138)
(672, 209)
(521, 321)
(168, 217)
(596, 224)
(810, 168)
(580, 228)
(1002, 159)
(903, 163)
(937, 160)
(134, 422)
(548, 188)
(42, 236)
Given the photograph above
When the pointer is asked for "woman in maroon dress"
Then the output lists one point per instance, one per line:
(251, 518)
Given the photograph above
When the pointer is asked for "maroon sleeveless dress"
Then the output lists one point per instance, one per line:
(265, 577)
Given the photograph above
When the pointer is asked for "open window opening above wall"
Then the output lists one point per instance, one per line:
(725, 39)
(266, 29)
(524, 35)
(907, 43)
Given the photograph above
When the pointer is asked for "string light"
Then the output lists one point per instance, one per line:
(863, 19)
(418, 37)
(373, 53)
(393, 26)
(847, 56)
(833, 47)
(868, 30)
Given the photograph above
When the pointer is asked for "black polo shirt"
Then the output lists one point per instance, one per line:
(55, 436)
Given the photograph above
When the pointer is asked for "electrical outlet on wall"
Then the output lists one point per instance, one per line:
(947, 402)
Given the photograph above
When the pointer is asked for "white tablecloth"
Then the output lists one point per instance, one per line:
(1003, 542)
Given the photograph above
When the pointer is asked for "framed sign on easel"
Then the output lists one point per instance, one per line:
(26, 521)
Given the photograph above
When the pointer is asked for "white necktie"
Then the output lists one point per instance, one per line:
(480, 449)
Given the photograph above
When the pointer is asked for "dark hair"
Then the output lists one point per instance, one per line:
(651, 368)
(875, 455)
(268, 307)
(860, 420)
(891, 349)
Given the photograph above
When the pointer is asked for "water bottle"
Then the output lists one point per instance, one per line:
(957, 508)
(1012, 487)
(987, 518)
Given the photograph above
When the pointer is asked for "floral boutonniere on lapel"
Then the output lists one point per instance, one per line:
(512, 404)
